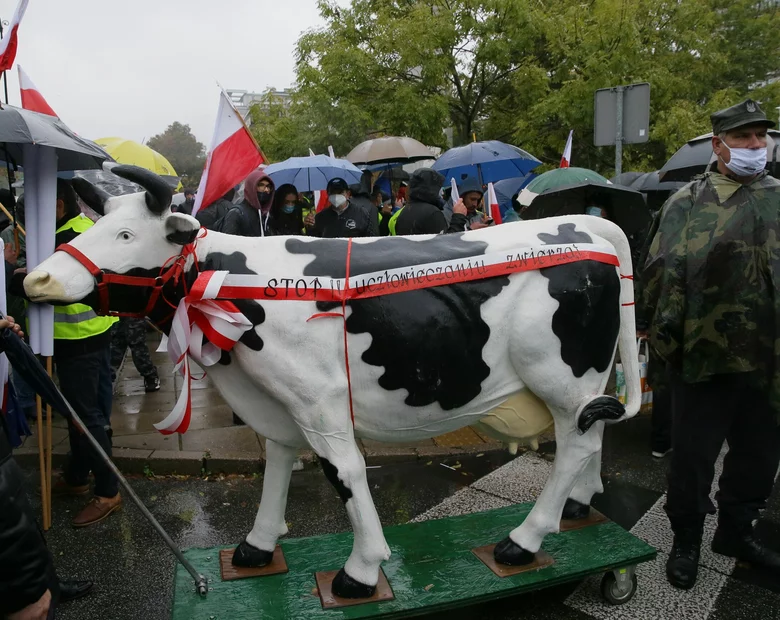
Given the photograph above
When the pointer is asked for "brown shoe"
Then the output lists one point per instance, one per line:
(61, 488)
(97, 510)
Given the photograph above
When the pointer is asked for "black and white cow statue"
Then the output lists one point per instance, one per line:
(421, 363)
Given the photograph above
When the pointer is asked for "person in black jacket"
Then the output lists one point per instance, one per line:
(250, 218)
(286, 212)
(423, 214)
(342, 219)
(29, 587)
(361, 192)
(211, 214)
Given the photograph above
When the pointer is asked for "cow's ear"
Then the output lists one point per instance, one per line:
(181, 229)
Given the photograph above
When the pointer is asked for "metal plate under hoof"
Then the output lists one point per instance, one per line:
(329, 600)
(542, 559)
(595, 517)
(229, 572)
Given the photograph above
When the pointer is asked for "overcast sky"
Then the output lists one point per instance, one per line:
(129, 68)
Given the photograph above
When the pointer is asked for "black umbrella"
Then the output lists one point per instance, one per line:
(19, 127)
(23, 361)
(694, 157)
(626, 207)
(655, 190)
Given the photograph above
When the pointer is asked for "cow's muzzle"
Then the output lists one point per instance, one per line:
(41, 287)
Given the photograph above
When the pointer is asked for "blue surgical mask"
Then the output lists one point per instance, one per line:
(593, 211)
(288, 208)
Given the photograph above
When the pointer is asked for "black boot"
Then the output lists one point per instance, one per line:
(739, 541)
(682, 567)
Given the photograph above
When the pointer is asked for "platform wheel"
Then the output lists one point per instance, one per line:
(619, 586)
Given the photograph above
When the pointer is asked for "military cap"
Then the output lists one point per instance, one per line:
(746, 113)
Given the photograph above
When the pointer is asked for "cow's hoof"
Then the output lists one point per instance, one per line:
(344, 586)
(575, 510)
(251, 557)
(510, 553)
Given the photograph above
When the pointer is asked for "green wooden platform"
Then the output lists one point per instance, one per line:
(435, 555)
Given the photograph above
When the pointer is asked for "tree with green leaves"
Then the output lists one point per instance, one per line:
(521, 71)
(182, 149)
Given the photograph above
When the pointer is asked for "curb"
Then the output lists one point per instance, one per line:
(191, 463)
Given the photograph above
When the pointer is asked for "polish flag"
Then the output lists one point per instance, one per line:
(495, 211)
(31, 96)
(10, 40)
(320, 199)
(566, 159)
(232, 156)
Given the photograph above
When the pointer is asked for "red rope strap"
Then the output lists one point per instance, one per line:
(343, 315)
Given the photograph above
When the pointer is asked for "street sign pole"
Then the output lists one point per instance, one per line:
(619, 131)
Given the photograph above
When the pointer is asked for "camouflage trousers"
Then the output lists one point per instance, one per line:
(131, 332)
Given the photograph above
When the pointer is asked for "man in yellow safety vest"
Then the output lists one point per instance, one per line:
(82, 342)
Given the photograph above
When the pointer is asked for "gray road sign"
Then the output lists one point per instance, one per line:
(636, 114)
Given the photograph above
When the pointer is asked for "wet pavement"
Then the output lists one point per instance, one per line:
(134, 571)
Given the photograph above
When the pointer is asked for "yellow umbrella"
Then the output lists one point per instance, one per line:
(132, 153)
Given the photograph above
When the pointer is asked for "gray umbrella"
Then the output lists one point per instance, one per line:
(626, 179)
(694, 157)
(19, 127)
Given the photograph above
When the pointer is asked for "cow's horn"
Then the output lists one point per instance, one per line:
(158, 193)
(94, 197)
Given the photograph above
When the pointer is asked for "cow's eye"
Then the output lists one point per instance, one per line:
(124, 235)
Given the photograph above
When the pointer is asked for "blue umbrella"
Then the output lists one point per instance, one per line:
(507, 188)
(488, 161)
(312, 173)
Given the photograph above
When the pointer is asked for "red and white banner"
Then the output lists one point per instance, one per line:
(232, 156)
(566, 159)
(31, 96)
(11, 38)
(494, 209)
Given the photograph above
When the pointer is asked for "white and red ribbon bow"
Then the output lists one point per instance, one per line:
(202, 328)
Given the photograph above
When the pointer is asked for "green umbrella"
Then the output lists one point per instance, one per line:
(570, 191)
(556, 179)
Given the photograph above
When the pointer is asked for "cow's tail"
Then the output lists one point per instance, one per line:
(627, 343)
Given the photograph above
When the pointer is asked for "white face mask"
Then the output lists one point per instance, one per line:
(745, 162)
(337, 201)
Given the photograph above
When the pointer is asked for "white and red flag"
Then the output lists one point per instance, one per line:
(495, 211)
(232, 156)
(11, 38)
(566, 159)
(32, 99)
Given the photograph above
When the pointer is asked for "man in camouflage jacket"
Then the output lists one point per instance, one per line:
(710, 288)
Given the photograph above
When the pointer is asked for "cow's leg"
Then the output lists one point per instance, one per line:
(588, 484)
(258, 548)
(573, 452)
(345, 468)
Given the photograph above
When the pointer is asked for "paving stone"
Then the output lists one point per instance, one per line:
(152, 441)
(155, 401)
(234, 462)
(135, 386)
(58, 435)
(233, 438)
(378, 446)
(465, 501)
(461, 437)
(206, 397)
(389, 454)
(166, 462)
(130, 460)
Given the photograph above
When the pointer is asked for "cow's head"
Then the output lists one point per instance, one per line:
(136, 236)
